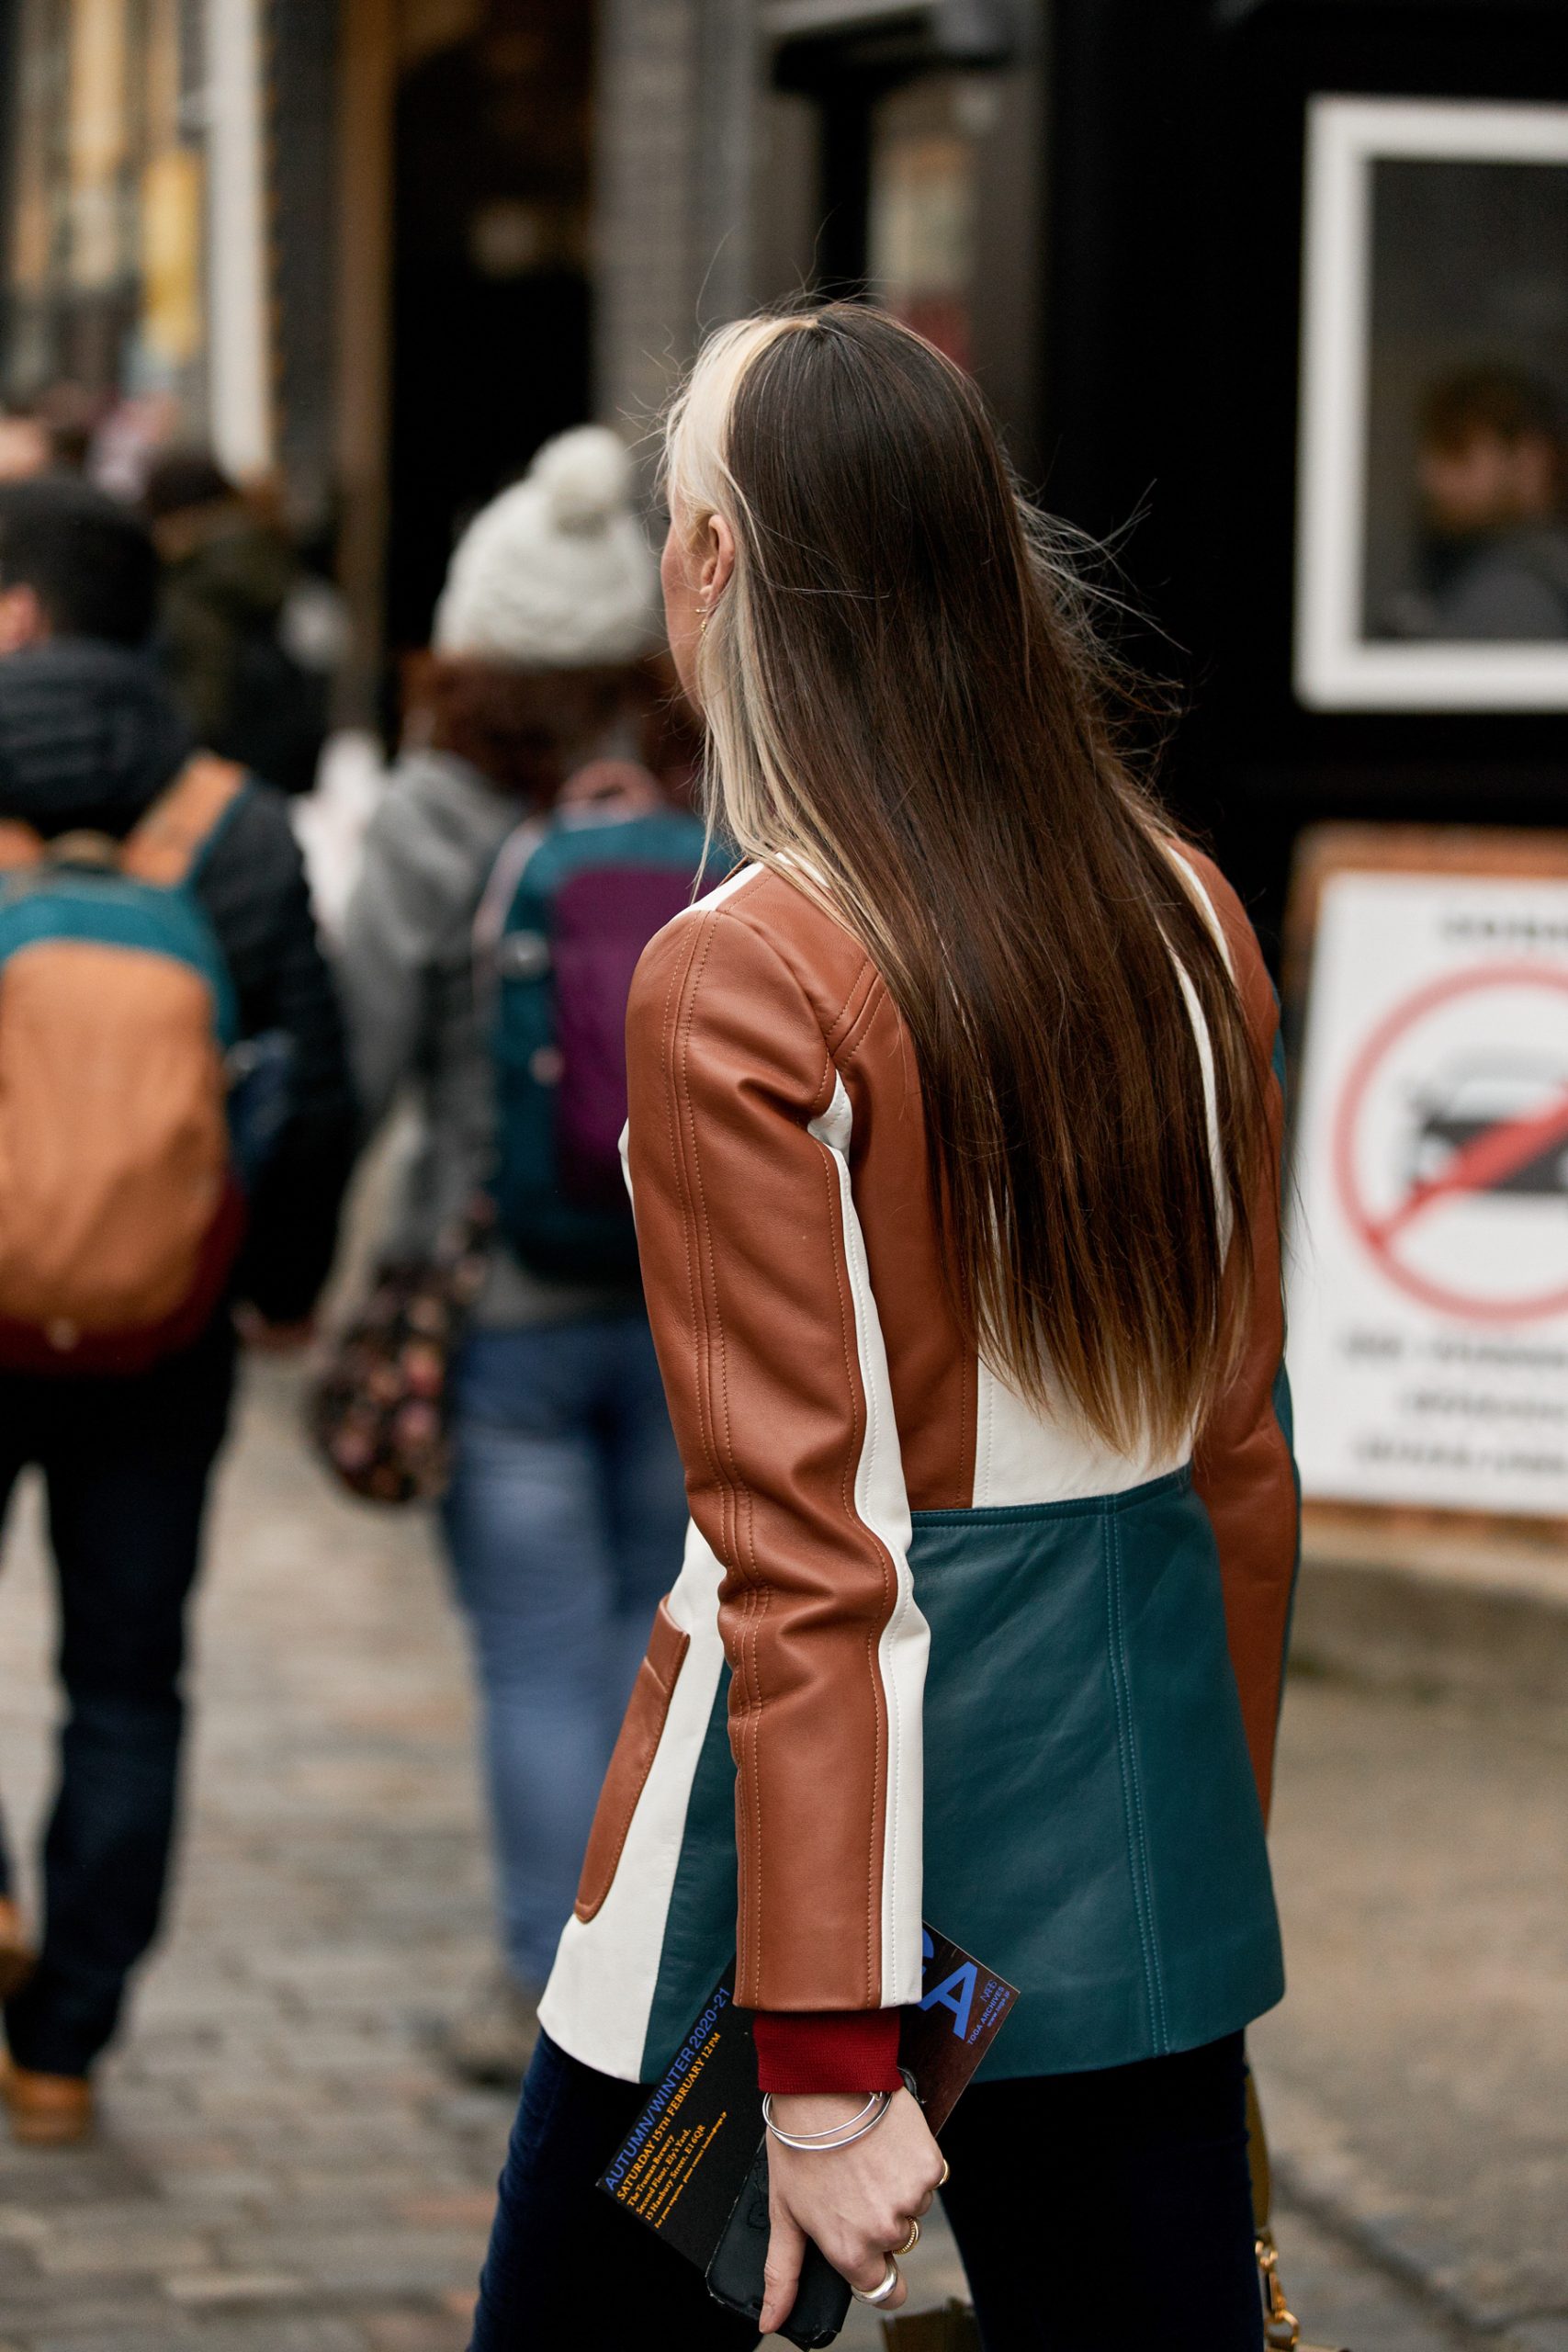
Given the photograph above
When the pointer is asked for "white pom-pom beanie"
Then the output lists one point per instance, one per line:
(555, 573)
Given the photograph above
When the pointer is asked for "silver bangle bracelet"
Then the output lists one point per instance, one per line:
(833, 2129)
(822, 2144)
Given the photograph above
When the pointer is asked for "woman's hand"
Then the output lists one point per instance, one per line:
(856, 2203)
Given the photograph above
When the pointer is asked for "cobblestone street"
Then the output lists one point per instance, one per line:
(286, 2167)
(283, 2164)
(1416, 2075)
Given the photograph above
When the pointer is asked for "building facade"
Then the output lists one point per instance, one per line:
(135, 248)
(1218, 263)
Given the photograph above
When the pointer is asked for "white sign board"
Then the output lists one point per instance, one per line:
(1427, 1285)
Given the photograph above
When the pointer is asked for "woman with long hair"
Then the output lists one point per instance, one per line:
(954, 1147)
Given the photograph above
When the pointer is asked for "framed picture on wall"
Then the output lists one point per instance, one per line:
(1432, 530)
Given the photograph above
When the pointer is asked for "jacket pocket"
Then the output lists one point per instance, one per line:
(641, 1731)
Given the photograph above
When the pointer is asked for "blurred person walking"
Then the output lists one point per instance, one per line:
(249, 637)
(50, 433)
(955, 1141)
(566, 1497)
(153, 919)
(24, 448)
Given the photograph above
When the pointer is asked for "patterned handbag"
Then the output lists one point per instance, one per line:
(377, 1409)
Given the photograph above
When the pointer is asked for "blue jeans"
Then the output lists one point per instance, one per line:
(565, 1520)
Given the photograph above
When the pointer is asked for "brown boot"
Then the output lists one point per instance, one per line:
(46, 2110)
(17, 1957)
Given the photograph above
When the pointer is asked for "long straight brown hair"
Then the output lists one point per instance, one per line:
(909, 717)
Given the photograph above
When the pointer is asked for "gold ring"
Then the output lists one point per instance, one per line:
(912, 2241)
(946, 2168)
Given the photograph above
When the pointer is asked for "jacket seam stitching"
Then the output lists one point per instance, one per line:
(708, 1323)
(866, 973)
(1131, 1800)
(885, 1697)
(683, 980)
(855, 1033)
(589, 1907)
(835, 1187)
(982, 1485)
(1171, 1482)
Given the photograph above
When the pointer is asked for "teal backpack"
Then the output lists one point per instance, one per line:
(571, 903)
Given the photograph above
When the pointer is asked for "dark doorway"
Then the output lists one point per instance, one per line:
(910, 171)
(490, 297)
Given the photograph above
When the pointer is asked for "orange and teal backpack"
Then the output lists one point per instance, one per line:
(119, 1212)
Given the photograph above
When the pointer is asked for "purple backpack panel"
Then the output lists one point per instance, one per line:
(605, 917)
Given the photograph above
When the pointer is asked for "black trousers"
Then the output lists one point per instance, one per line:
(1097, 2212)
(126, 1464)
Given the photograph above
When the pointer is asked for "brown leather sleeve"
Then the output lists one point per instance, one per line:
(741, 1229)
(1243, 1466)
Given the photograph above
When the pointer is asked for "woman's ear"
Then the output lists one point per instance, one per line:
(719, 559)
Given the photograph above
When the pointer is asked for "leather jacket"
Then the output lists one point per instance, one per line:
(931, 1653)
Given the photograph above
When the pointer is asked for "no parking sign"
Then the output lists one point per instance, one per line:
(1428, 1257)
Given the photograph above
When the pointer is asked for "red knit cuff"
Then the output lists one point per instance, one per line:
(803, 2051)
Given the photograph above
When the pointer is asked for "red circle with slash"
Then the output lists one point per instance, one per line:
(1486, 1160)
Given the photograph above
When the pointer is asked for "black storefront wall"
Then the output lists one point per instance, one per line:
(490, 353)
(303, 51)
(1172, 353)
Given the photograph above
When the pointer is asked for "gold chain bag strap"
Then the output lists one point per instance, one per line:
(1281, 2328)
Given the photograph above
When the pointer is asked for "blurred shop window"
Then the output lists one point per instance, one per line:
(172, 198)
(98, 145)
(37, 192)
(924, 211)
(902, 161)
(105, 308)
(1466, 495)
(427, 27)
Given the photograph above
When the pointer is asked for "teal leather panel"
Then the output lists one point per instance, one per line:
(1091, 1824)
(1212, 1898)
(699, 1941)
(114, 911)
(1027, 1845)
(1092, 1827)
